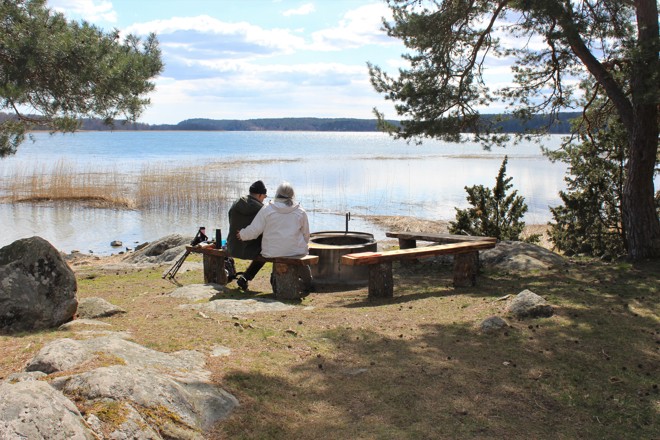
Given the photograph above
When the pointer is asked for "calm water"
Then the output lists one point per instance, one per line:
(333, 173)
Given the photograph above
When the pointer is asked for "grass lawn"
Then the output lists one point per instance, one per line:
(338, 366)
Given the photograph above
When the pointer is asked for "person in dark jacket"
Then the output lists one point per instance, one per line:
(241, 214)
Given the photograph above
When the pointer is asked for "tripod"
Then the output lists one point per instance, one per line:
(176, 266)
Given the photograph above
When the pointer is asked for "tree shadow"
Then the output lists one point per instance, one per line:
(590, 371)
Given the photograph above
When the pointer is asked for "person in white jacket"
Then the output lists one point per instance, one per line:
(284, 227)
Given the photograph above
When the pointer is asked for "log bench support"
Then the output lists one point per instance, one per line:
(381, 281)
(466, 265)
(287, 278)
(289, 274)
(214, 263)
(381, 284)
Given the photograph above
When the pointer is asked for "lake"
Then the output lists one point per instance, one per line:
(333, 174)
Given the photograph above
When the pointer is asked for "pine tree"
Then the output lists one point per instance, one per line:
(590, 221)
(54, 71)
(494, 213)
(612, 43)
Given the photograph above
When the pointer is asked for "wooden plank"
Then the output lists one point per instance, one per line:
(437, 238)
(292, 261)
(364, 258)
(207, 251)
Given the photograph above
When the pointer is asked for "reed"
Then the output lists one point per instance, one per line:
(157, 187)
(180, 189)
(64, 182)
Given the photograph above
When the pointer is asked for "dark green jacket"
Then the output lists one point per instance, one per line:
(241, 214)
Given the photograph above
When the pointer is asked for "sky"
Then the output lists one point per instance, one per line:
(231, 59)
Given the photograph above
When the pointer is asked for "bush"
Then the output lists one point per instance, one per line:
(494, 213)
(590, 220)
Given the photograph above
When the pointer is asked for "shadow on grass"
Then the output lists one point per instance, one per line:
(590, 371)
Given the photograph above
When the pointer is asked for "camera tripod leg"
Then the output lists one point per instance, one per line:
(171, 273)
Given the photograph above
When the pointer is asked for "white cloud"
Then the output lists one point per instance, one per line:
(305, 9)
(89, 10)
(253, 91)
(282, 40)
(359, 27)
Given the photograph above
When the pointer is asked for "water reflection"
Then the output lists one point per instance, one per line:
(333, 173)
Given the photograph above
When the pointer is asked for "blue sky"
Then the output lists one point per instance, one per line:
(255, 58)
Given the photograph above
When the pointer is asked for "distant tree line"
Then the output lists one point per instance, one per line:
(561, 125)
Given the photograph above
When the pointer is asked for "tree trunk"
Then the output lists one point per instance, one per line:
(640, 219)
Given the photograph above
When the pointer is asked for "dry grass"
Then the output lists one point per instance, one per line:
(156, 186)
(414, 367)
(65, 183)
(160, 186)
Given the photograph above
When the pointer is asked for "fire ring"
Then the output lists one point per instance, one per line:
(330, 246)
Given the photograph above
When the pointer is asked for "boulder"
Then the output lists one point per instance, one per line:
(83, 324)
(91, 308)
(163, 250)
(37, 287)
(198, 292)
(178, 406)
(59, 355)
(492, 324)
(129, 391)
(528, 304)
(239, 306)
(520, 256)
(34, 410)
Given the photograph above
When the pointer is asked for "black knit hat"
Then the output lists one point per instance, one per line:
(258, 187)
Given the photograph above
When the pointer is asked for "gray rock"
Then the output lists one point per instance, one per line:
(163, 250)
(59, 355)
(197, 292)
(153, 395)
(239, 306)
(86, 334)
(142, 246)
(528, 304)
(25, 376)
(92, 308)
(34, 410)
(133, 426)
(220, 351)
(81, 324)
(37, 287)
(195, 404)
(492, 324)
(520, 256)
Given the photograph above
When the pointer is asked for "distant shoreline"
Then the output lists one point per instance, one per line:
(503, 123)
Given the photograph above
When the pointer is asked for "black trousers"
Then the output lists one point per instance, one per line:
(252, 269)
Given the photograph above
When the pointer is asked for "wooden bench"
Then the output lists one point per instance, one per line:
(409, 240)
(285, 270)
(381, 284)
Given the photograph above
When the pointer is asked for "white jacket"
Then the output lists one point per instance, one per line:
(285, 230)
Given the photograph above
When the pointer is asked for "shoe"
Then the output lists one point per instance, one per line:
(242, 283)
